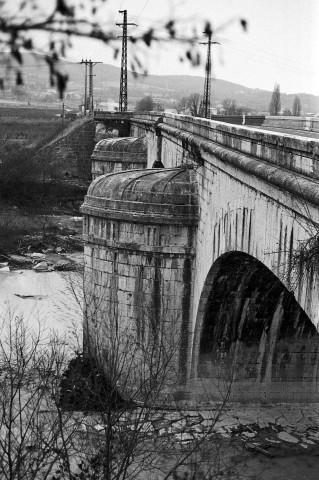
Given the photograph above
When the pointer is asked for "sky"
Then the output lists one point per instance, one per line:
(281, 44)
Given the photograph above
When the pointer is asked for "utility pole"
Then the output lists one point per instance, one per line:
(88, 99)
(90, 87)
(123, 82)
(208, 71)
(85, 62)
(85, 86)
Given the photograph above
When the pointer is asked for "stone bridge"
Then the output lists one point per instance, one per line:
(222, 242)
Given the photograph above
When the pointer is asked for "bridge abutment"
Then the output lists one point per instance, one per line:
(69, 155)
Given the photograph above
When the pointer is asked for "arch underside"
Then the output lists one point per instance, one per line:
(255, 337)
(121, 125)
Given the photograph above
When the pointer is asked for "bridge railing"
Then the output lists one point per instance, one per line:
(253, 120)
(302, 124)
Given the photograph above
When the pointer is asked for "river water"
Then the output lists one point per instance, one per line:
(52, 298)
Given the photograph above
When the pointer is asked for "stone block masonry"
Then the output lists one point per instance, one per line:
(139, 228)
(227, 260)
(69, 155)
(117, 154)
(255, 297)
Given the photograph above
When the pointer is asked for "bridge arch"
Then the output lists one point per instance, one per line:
(252, 333)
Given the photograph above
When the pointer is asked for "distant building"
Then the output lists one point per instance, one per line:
(220, 110)
(107, 106)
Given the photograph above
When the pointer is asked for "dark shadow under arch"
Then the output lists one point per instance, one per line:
(254, 334)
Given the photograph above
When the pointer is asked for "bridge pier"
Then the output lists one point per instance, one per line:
(117, 154)
(139, 228)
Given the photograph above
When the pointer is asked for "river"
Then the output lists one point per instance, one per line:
(52, 298)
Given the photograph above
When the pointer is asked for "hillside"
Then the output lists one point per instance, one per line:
(176, 86)
(165, 88)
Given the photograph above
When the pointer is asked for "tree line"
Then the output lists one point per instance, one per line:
(275, 104)
(193, 105)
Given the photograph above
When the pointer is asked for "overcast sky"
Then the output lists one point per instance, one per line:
(281, 44)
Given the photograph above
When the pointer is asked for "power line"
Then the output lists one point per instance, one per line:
(261, 56)
(143, 8)
(286, 65)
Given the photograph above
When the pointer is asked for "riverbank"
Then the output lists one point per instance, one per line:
(37, 232)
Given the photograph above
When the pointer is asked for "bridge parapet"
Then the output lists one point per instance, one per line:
(294, 153)
(106, 115)
(310, 124)
(283, 160)
(285, 150)
(293, 123)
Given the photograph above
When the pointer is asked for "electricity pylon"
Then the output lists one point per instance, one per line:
(88, 99)
(123, 82)
(208, 79)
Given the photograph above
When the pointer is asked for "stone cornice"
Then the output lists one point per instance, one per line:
(156, 214)
(126, 157)
(293, 182)
(174, 250)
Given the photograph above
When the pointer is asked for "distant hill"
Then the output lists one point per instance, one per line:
(177, 86)
(164, 88)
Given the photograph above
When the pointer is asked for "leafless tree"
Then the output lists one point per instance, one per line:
(128, 425)
(33, 430)
(230, 106)
(137, 428)
(194, 104)
(146, 104)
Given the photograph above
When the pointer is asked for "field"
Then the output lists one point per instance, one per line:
(25, 199)
(27, 127)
